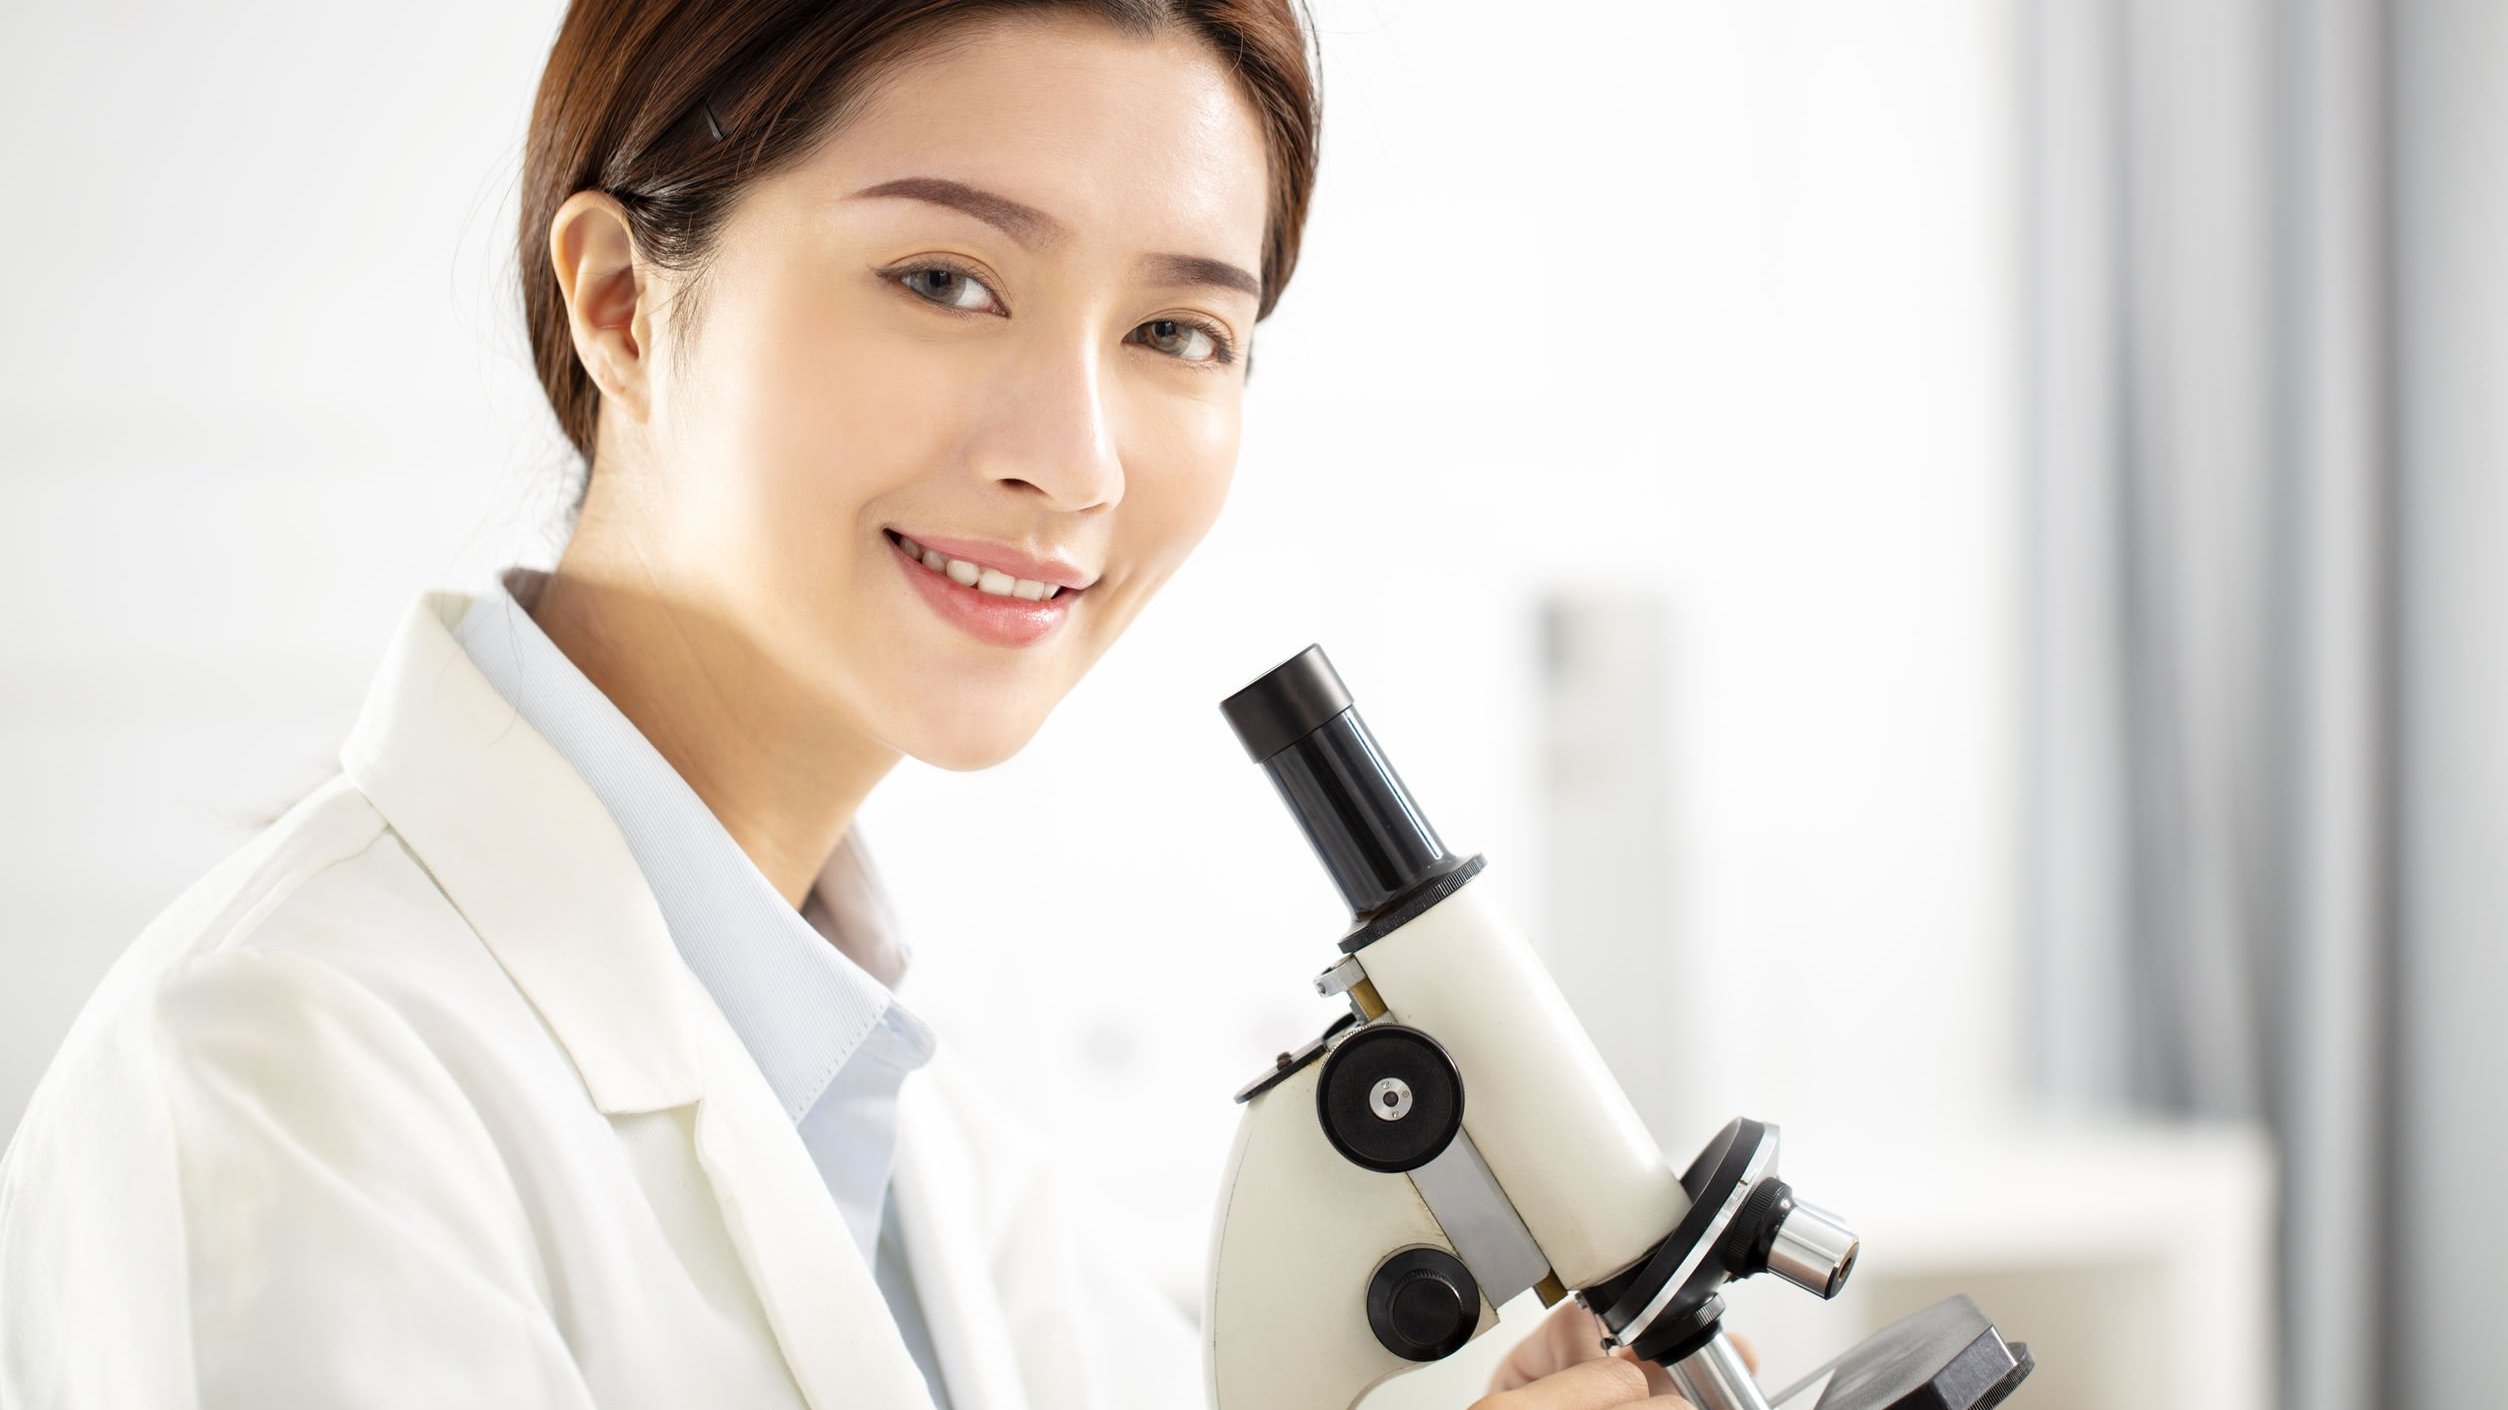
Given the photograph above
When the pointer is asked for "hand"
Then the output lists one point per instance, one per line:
(1571, 1336)
(1596, 1384)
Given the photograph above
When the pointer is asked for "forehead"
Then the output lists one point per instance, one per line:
(1146, 142)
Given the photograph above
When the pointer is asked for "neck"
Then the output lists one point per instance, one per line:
(773, 763)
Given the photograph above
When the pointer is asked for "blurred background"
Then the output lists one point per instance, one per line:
(1946, 552)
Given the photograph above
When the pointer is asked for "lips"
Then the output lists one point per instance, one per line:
(982, 576)
(999, 616)
(1012, 562)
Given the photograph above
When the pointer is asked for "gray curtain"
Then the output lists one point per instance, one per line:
(2212, 615)
(2449, 265)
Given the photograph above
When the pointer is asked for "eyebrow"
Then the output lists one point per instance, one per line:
(1193, 269)
(1025, 224)
(1030, 226)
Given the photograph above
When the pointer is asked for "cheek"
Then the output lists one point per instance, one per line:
(819, 418)
(1187, 456)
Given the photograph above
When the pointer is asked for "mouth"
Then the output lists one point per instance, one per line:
(983, 577)
(987, 601)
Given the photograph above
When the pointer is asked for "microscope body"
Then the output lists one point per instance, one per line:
(1456, 1139)
(1595, 1192)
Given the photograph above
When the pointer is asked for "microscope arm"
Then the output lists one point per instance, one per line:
(1300, 1223)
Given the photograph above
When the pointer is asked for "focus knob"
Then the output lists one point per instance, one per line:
(1390, 1098)
(1423, 1304)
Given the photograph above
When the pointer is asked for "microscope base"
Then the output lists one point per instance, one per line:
(1946, 1357)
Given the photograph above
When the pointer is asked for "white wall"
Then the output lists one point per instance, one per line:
(261, 386)
(1708, 301)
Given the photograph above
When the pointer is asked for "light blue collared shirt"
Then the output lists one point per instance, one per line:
(808, 991)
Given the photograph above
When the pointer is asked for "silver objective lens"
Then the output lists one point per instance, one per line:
(1813, 1251)
(1714, 1377)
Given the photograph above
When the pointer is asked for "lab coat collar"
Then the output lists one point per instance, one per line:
(531, 858)
(522, 846)
(791, 982)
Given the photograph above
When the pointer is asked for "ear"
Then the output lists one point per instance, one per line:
(609, 295)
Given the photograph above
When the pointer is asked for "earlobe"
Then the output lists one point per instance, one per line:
(592, 253)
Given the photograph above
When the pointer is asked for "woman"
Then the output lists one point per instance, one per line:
(550, 1054)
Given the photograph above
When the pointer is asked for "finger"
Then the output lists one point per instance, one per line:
(1658, 1380)
(1572, 1334)
(1598, 1384)
(1568, 1335)
(1524, 1362)
(1750, 1354)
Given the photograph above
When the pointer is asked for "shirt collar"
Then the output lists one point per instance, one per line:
(802, 988)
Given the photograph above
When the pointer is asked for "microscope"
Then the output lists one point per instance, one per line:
(1456, 1139)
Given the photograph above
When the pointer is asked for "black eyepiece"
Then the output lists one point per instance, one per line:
(1294, 699)
(1298, 722)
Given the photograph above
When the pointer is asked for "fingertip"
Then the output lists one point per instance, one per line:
(1627, 1381)
(1639, 1386)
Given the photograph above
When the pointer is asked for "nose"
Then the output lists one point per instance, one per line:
(1049, 428)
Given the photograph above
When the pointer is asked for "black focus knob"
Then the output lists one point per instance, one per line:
(1390, 1098)
(1423, 1304)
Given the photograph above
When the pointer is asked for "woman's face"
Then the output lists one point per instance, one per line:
(1001, 315)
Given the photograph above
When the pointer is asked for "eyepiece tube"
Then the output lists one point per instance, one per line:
(1298, 722)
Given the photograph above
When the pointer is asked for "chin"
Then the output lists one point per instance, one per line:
(968, 745)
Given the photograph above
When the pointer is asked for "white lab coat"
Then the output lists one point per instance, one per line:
(411, 1102)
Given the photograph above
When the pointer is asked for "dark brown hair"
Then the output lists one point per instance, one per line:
(674, 106)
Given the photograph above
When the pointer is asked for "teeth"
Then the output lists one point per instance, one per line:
(975, 575)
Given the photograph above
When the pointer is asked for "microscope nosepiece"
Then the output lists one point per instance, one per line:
(1298, 722)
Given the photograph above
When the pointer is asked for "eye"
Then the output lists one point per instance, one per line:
(1184, 340)
(950, 287)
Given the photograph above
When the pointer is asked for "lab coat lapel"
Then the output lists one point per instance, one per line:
(939, 1222)
(828, 1314)
(522, 846)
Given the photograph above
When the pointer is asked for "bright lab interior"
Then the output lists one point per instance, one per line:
(1944, 553)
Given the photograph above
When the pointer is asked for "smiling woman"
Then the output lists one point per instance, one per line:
(806, 282)
(552, 1053)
